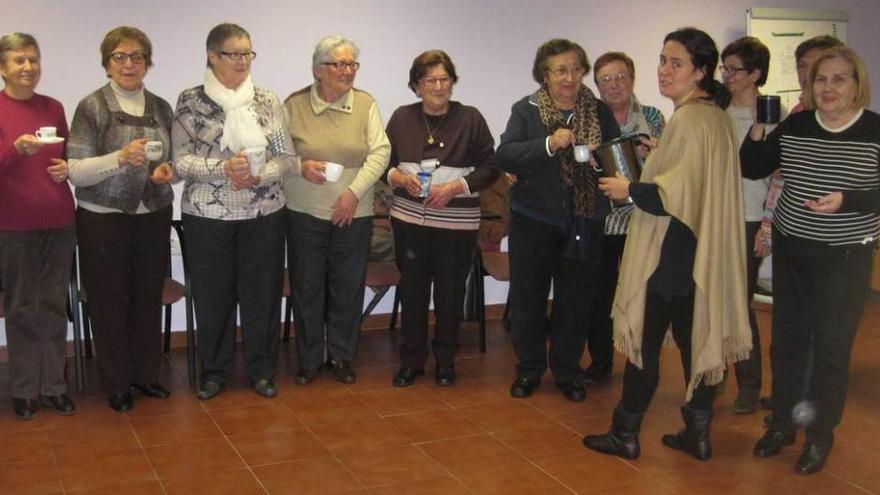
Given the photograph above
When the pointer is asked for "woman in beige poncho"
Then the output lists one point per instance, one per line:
(684, 261)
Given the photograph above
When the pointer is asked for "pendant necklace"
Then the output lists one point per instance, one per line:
(432, 131)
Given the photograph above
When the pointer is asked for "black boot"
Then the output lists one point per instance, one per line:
(623, 438)
(694, 438)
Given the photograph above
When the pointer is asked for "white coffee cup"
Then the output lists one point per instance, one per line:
(256, 157)
(153, 149)
(582, 153)
(332, 171)
(46, 132)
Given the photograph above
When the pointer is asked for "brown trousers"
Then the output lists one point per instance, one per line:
(124, 261)
(35, 270)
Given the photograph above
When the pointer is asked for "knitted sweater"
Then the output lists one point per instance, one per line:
(349, 132)
(29, 199)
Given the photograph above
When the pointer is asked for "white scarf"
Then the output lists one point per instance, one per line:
(240, 130)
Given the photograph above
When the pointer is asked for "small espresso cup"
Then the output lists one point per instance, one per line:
(153, 150)
(46, 132)
(332, 171)
(768, 109)
(582, 153)
(256, 157)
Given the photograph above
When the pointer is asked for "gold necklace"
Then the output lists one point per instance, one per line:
(432, 131)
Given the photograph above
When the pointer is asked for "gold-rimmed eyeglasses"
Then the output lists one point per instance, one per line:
(619, 77)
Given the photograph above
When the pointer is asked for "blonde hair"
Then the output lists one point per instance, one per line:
(860, 74)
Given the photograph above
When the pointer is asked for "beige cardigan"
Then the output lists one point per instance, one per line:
(696, 168)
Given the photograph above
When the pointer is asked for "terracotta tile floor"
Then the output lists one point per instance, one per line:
(371, 438)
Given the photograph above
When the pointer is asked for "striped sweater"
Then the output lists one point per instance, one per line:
(461, 140)
(816, 161)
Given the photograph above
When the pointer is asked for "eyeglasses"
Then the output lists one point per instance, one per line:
(341, 65)
(619, 77)
(136, 57)
(730, 71)
(434, 81)
(236, 56)
(560, 72)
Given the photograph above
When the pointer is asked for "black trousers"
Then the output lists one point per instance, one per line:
(425, 255)
(327, 268)
(236, 262)
(35, 270)
(748, 371)
(535, 260)
(600, 340)
(639, 385)
(124, 262)
(818, 295)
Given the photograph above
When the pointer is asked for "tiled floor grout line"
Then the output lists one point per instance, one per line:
(232, 446)
(144, 452)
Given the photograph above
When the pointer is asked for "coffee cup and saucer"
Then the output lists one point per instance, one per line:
(47, 135)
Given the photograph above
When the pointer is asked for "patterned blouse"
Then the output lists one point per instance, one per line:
(208, 192)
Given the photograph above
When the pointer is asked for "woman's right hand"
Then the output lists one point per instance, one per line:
(560, 139)
(399, 179)
(646, 145)
(27, 144)
(313, 171)
(238, 169)
(133, 154)
(757, 132)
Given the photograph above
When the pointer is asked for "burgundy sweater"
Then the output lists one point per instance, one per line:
(29, 199)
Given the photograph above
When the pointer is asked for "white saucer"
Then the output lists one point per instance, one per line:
(52, 140)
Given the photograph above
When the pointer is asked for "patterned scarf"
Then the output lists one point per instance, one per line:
(585, 126)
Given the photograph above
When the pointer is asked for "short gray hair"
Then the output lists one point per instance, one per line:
(329, 43)
(222, 32)
(16, 41)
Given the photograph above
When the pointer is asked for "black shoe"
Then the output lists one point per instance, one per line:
(155, 390)
(597, 373)
(25, 409)
(60, 404)
(305, 377)
(573, 390)
(342, 371)
(812, 460)
(208, 390)
(266, 387)
(523, 387)
(444, 376)
(406, 376)
(694, 438)
(772, 442)
(120, 401)
(623, 438)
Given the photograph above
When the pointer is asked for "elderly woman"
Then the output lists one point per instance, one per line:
(124, 216)
(683, 263)
(614, 74)
(435, 234)
(825, 229)
(232, 206)
(36, 232)
(330, 218)
(745, 63)
(557, 217)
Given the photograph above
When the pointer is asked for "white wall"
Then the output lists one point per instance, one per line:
(492, 42)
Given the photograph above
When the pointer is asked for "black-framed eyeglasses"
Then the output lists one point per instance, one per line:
(731, 71)
(236, 56)
(341, 65)
(619, 77)
(121, 57)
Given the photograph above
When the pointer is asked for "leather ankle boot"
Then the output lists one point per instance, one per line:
(623, 438)
(694, 438)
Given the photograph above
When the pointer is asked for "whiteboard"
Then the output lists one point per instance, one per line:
(782, 30)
